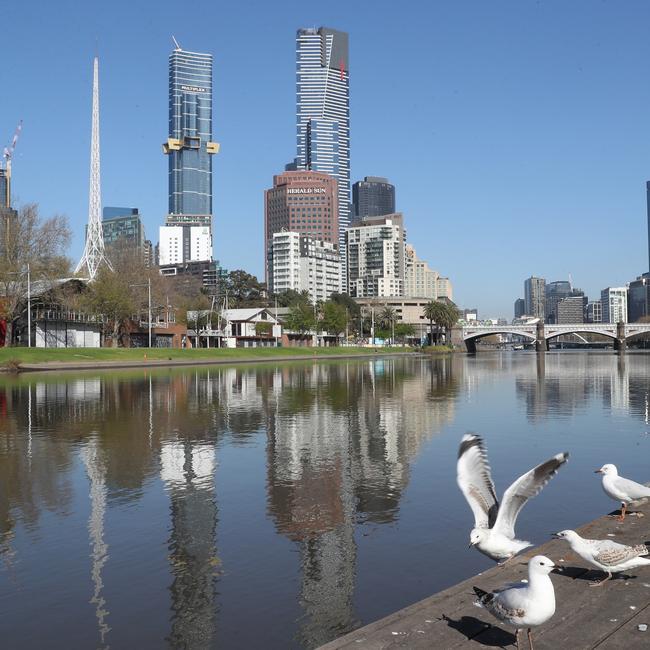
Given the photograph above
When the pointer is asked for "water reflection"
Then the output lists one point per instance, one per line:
(339, 443)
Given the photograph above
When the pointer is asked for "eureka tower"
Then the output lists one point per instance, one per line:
(323, 114)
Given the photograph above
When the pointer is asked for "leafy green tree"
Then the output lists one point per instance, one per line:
(291, 297)
(333, 317)
(244, 289)
(301, 318)
(404, 330)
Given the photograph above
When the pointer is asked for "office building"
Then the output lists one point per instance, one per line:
(534, 297)
(570, 310)
(614, 304)
(190, 149)
(553, 293)
(8, 216)
(648, 212)
(301, 263)
(183, 244)
(520, 307)
(594, 312)
(302, 202)
(419, 279)
(123, 230)
(373, 196)
(376, 250)
(638, 298)
(323, 112)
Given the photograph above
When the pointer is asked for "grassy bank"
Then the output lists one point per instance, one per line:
(15, 357)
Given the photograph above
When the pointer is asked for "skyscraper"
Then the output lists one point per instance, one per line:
(323, 113)
(373, 196)
(534, 296)
(647, 189)
(190, 149)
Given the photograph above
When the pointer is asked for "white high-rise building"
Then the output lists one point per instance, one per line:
(614, 304)
(376, 252)
(300, 263)
(181, 244)
(323, 112)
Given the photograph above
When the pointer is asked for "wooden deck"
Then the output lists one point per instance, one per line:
(606, 617)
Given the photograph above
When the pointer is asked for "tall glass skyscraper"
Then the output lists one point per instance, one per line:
(189, 145)
(323, 113)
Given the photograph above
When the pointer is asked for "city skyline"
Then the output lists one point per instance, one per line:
(585, 161)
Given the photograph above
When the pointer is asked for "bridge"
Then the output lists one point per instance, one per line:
(540, 333)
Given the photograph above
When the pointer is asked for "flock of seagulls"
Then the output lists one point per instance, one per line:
(531, 603)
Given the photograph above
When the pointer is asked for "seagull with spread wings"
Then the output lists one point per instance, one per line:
(494, 526)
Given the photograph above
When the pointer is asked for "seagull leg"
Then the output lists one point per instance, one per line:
(505, 561)
(622, 517)
(517, 638)
(598, 584)
(530, 639)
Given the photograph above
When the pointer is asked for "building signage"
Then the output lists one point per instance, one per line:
(306, 190)
(193, 89)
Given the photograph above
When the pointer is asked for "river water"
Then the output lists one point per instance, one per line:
(279, 506)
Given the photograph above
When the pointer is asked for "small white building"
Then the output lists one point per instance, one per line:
(250, 328)
(181, 244)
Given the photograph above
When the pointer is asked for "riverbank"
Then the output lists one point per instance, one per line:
(31, 359)
(605, 618)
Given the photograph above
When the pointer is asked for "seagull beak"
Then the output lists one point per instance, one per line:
(470, 545)
(555, 535)
(598, 471)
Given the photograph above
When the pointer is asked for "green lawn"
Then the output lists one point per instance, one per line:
(14, 356)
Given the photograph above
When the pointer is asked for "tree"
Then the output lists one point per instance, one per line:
(448, 318)
(301, 318)
(387, 318)
(244, 289)
(433, 313)
(334, 318)
(29, 240)
(291, 297)
(403, 331)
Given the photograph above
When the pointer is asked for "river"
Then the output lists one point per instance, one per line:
(282, 505)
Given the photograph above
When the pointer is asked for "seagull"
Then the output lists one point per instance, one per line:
(605, 554)
(621, 489)
(525, 604)
(494, 525)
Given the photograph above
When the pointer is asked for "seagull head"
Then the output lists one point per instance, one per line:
(566, 535)
(476, 536)
(540, 564)
(607, 469)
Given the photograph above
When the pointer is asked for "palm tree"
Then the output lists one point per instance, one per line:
(448, 318)
(387, 319)
(433, 312)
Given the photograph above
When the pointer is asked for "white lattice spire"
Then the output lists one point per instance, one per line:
(93, 255)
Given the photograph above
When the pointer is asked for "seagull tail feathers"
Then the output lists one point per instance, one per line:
(483, 597)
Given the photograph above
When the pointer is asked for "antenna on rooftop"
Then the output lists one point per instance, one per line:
(178, 47)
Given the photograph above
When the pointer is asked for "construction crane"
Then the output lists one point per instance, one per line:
(7, 155)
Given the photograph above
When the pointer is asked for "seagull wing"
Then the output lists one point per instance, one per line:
(475, 480)
(524, 488)
(633, 489)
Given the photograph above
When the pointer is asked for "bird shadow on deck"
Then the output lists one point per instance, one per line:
(589, 575)
(480, 632)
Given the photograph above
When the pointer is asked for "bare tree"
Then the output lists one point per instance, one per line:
(41, 244)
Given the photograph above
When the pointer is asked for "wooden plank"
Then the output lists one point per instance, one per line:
(586, 617)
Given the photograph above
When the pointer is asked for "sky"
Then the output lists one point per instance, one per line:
(517, 133)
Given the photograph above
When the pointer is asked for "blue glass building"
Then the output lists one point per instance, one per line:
(189, 145)
(323, 114)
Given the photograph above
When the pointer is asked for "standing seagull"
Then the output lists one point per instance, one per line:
(524, 604)
(621, 489)
(494, 526)
(604, 554)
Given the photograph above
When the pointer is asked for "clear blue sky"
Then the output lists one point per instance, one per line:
(517, 133)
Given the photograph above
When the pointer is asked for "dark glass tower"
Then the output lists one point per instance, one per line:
(373, 197)
(189, 145)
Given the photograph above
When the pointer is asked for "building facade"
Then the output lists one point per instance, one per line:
(614, 304)
(301, 263)
(8, 216)
(520, 307)
(373, 196)
(419, 279)
(303, 202)
(376, 257)
(638, 298)
(553, 293)
(190, 148)
(534, 297)
(594, 312)
(123, 230)
(570, 310)
(323, 112)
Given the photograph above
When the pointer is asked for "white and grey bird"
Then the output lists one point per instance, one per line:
(523, 605)
(621, 489)
(494, 525)
(605, 554)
